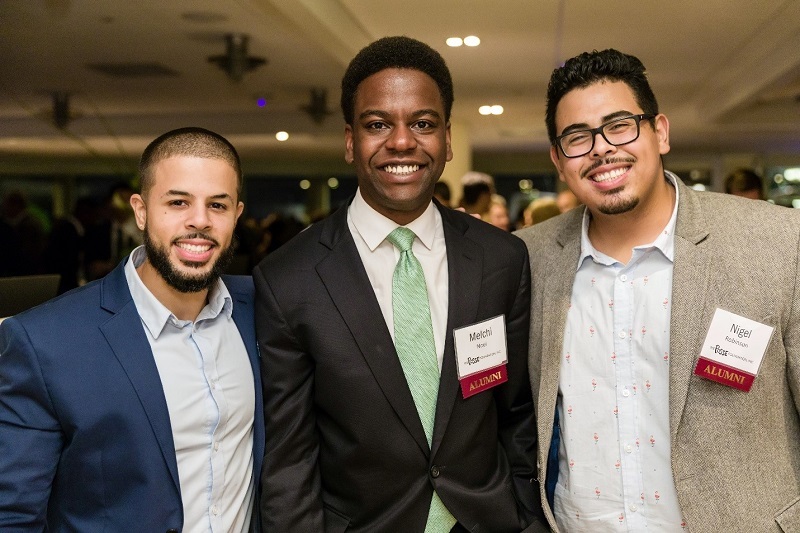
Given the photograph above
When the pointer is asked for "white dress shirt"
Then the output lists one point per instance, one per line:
(613, 405)
(379, 256)
(208, 384)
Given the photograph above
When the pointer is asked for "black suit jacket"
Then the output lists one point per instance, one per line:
(345, 447)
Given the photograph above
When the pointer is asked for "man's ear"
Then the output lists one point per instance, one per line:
(139, 210)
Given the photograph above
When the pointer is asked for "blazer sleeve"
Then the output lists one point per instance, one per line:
(516, 420)
(291, 497)
(30, 434)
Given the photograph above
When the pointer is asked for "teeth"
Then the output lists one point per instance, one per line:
(401, 169)
(611, 174)
(194, 248)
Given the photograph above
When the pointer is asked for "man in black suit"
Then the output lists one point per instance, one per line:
(354, 441)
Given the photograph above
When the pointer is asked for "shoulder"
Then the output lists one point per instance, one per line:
(743, 218)
(547, 233)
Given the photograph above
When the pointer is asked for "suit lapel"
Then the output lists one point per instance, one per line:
(690, 279)
(348, 285)
(127, 340)
(556, 295)
(464, 272)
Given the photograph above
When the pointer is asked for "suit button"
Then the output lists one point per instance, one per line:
(173, 530)
(435, 471)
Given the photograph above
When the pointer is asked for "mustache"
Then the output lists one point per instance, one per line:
(197, 235)
(607, 161)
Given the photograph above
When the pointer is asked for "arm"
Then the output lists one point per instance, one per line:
(291, 489)
(516, 420)
(30, 435)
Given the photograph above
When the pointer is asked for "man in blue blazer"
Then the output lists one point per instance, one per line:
(134, 402)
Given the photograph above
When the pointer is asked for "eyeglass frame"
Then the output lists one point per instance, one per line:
(599, 129)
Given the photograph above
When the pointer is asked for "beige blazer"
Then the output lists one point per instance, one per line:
(735, 455)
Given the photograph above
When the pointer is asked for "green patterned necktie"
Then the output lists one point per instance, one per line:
(413, 340)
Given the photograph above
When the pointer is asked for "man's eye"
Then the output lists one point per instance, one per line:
(423, 124)
(577, 138)
(376, 126)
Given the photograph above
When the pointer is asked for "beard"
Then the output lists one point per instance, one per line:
(616, 204)
(180, 281)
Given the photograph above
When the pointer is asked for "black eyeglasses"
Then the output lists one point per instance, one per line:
(616, 132)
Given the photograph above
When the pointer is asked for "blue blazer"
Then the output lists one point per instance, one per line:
(85, 436)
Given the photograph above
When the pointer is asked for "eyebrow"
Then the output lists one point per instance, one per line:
(606, 118)
(220, 196)
(385, 114)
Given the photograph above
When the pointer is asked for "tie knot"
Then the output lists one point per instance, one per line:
(402, 238)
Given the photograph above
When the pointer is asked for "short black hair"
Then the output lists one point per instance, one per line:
(473, 191)
(192, 141)
(395, 52)
(592, 67)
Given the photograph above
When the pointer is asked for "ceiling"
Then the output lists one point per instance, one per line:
(726, 72)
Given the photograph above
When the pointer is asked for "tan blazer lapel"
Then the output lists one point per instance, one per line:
(556, 295)
(690, 279)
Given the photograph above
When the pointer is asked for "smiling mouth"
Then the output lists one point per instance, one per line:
(610, 175)
(401, 170)
(194, 248)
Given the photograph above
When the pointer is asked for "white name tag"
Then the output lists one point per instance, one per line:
(733, 350)
(481, 355)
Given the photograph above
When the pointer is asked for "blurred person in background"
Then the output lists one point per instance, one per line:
(478, 188)
(497, 214)
(746, 183)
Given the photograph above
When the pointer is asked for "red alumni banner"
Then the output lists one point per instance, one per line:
(480, 381)
(727, 375)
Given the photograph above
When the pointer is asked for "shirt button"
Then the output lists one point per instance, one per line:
(622, 334)
(623, 277)
(216, 446)
(214, 510)
(632, 507)
(628, 448)
(435, 472)
(626, 393)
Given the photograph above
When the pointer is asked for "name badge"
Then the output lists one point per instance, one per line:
(481, 355)
(733, 350)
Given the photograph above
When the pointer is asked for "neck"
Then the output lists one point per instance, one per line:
(617, 235)
(184, 305)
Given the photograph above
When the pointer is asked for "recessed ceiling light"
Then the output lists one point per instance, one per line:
(282, 136)
(491, 110)
(333, 183)
(472, 40)
(305, 184)
(454, 41)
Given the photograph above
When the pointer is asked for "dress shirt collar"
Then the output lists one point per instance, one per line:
(374, 227)
(665, 242)
(155, 316)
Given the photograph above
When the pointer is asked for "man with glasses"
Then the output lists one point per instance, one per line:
(666, 375)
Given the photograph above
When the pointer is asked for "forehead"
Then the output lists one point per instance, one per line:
(199, 176)
(389, 86)
(588, 105)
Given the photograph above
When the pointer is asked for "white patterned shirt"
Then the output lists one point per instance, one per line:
(614, 456)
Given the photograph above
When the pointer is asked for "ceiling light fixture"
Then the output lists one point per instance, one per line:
(236, 62)
(282, 136)
(472, 40)
(491, 110)
(454, 42)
